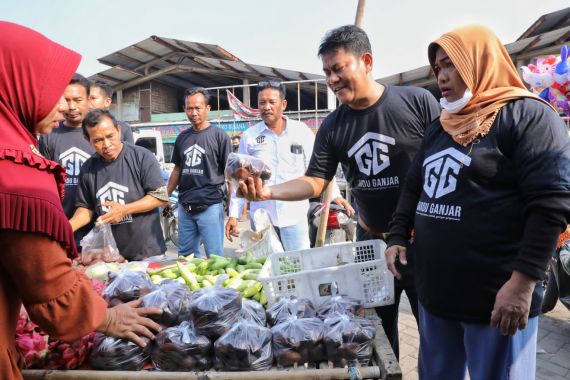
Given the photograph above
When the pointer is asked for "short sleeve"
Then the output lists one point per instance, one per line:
(324, 161)
(83, 196)
(126, 132)
(151, 175)
(176, 151)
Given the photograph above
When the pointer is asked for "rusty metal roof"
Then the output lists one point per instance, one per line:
(547, 23)
(185, 64)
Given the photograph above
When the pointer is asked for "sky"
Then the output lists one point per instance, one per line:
(283, 34)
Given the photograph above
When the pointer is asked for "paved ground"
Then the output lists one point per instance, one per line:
(553, 359)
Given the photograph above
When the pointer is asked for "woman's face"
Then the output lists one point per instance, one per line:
(51, 121)
(450, 83)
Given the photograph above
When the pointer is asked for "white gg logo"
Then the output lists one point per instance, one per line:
(441, 170)
(370, 153)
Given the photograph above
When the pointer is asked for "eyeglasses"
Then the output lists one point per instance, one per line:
(269, 83)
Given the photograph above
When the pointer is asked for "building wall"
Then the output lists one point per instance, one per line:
(164, 98)
(151, 97)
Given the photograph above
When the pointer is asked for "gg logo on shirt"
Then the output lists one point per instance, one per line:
(368, 153)
(441, 170)
(113, 192)
(194, 155)
(72, 159)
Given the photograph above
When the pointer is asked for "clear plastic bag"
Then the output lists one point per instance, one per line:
(280, 311)
(348, 339)
(99, 245)
(100, 270)
(215, 310)
(298, 340)
(253, 311)
(264, 241)
(241, 166)
(112, 354)
(174, 300)
(127, 286)
(181, 348)
(340, 304)
(245, 347)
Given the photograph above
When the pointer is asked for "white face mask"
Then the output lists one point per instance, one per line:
(456, 106)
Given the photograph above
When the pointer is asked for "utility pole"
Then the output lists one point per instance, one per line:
(359, 13)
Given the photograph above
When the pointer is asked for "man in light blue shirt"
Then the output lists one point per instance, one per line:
(286, 146)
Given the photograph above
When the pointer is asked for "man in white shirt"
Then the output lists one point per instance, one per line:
(286, 145)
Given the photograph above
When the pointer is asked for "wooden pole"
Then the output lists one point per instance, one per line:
(321, 232)
(360, 13)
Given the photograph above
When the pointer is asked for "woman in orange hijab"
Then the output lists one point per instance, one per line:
(36, 240)
(488, 195)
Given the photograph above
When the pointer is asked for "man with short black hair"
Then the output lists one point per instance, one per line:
(101, 97)
(285, 145)
(67, 146)
(374, 134)
(122, 184)
(199, 158)
(235, 143)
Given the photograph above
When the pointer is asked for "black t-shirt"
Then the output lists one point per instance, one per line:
(126, 132)
(201, 156)
(479, 212)
(68, 147)
(125, 180)
(375, 147)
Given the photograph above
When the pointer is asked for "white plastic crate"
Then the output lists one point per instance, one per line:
(365, 276)
(328, 256)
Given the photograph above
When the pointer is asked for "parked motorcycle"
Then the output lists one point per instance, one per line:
(340, 227)
(170, 219)
(558, 280)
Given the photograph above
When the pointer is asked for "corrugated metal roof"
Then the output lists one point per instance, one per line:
(547, 23)
(184, 64)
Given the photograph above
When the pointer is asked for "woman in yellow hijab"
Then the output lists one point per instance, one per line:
(488, 195)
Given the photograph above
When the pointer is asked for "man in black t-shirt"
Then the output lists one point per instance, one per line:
(199, 158)
(67, 146)
(100, 97)
(122, 185)
(374, 134)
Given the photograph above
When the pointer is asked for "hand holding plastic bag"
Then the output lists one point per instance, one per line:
(241, 166)
(99, 245)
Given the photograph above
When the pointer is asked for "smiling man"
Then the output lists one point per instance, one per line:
(122, 184)
(374, 134)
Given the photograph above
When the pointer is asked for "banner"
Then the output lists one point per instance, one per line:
(240, 110)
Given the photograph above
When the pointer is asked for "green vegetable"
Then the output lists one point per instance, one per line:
(189, 277)
(252, 289)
